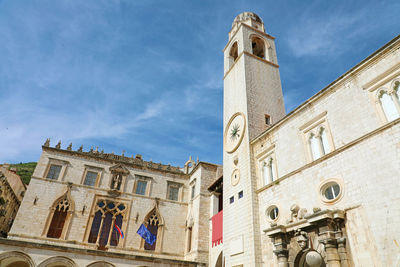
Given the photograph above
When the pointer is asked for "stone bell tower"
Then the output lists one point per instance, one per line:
(253, 101)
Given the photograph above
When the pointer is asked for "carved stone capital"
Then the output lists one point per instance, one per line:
(329, 242)
(341, 241)
(281, 253)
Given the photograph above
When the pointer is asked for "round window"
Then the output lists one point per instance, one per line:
(331, 191)
(272, 213)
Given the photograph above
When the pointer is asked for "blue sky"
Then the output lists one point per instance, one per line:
(146, 76)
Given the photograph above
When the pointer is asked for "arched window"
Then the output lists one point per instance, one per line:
(315, 147)
(266, 173)
(58, 220)
(397, 90)
(154, 222)
(107, 217)
(234, 51)
(324, 141)
(269, 173)
(152, 226)
(60, 216)
(258, 47)
(388, 106)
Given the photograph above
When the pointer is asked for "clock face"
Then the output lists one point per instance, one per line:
(234, 132)
(235, 177)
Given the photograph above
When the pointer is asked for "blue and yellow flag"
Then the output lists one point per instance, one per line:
(146, 235)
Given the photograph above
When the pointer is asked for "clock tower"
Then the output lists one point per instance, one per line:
(253, 101)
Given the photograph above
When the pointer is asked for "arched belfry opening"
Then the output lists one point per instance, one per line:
(258, 46)
(234, 51)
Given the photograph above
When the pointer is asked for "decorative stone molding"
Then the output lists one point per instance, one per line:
(293, 243)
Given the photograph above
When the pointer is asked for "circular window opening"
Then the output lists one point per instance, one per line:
(272, 213)
(331, 191)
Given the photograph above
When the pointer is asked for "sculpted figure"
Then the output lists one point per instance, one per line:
(116, 181)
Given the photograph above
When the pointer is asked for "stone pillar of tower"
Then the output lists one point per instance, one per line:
(253, 101)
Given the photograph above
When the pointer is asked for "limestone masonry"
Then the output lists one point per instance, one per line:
(315, 187)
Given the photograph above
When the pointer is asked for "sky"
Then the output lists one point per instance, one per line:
(146, 77)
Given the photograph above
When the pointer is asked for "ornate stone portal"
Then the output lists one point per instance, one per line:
(315, 240)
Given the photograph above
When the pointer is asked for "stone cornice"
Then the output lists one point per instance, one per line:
(331, 154)
(114, 159)
(105, 191)
(247, 26)
(307, 221)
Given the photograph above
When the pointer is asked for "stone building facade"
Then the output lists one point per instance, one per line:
(12, 190)
(75, 198)
(315, 187)
(318, 186)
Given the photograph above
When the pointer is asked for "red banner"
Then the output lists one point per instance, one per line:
(216, 229)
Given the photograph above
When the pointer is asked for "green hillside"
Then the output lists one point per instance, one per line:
(25, 170)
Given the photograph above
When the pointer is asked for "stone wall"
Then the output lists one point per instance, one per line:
(364, 162)
(33, 219)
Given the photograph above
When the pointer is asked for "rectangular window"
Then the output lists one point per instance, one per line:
(173, 193)
(267, 119)
(141, 187)
(231, 200)
(193, 190)
(240, 195)
(90, 178)
(54, 172)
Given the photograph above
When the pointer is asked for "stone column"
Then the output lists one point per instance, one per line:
(342, 251)
(332, 256)
(281, 250)
(282, 255)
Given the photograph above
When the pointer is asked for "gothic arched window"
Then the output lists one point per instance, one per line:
(60, 216)
(107, 215)
(154, 222)
(152, 226)
(58, 220)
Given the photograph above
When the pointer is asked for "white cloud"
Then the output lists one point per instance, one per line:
(323, 35)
